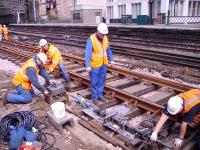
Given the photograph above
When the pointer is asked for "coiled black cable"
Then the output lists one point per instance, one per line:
(28, 120)
(16, 119)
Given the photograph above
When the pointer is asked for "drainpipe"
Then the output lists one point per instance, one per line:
(34, 11)
(151, 12)
(18, 18)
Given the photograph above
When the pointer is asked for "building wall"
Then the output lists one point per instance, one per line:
(128, 4)
(90, 11)
(92, 16)
(63, 10)
(42, 9)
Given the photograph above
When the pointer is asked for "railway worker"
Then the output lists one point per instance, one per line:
(1, 32)
(186, 104)
(54, 59)
(5, 32)
(26, 76)
(97, 55)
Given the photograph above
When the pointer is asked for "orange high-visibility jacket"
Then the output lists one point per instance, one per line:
(21, 76)
(1, 30)
(191, 98)
(5, 31)
(53, 57)
(99, 52)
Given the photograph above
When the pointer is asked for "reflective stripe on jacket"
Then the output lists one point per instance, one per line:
(21, 76)
(99, 52)
(53, 57)
(191, 99)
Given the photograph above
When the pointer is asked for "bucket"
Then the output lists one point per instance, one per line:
(58, 109)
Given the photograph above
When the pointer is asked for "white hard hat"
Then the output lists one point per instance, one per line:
(174, 105)
(102, 28)
(42, 57)
(42, 42)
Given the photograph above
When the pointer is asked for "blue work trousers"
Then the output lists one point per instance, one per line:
(64, 71)
(98, 79)
(1, 37)
(21, 96)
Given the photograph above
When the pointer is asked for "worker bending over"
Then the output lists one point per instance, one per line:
(188, 105)
(54, 58)
(26, 76)
(97, 55)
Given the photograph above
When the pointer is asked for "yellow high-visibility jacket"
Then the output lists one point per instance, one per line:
(21, 76)
(53, 57)
(99, 52)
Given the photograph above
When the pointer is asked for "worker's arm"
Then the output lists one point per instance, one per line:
(161, 122)
(109, 53)
(159, 125)
(88, 53)
(183, 129)
(32, 75)
(55, 61)
(45, 75)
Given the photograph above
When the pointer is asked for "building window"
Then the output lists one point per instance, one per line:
(97, 14)
(121, 10)
(176, 7)
(194, 8)
(110, 11)
(76, 16)
(136, 9)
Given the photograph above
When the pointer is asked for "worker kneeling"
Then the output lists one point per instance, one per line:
(188, 104)
(54, 58)
(26, 76)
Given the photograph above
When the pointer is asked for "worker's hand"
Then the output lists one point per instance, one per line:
(52, 81)
(88, 69)
(49, 70)
(46, 92)
(112, 63)
(154, 136)
(178, 142)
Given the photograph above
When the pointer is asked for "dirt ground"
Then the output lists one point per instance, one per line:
(70, 139)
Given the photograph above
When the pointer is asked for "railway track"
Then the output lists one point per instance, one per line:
(177, 56)
(130, 98)
(136, 40)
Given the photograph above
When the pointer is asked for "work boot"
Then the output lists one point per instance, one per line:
(5, 101)
(67, 85)
(103, 99)
(96, 102)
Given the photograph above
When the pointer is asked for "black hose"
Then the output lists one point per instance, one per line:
(16, 119)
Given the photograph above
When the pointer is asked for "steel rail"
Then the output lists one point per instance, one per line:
(126, 72)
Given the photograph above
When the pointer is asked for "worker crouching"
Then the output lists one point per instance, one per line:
(188, 105)
(54, 58)
(26, 76)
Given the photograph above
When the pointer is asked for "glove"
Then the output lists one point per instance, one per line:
(154, 136)
(88, 69)
(52, 81)
(178, 142)
(112, 63)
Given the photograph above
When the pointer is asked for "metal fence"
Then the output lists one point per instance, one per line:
(183, 20)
